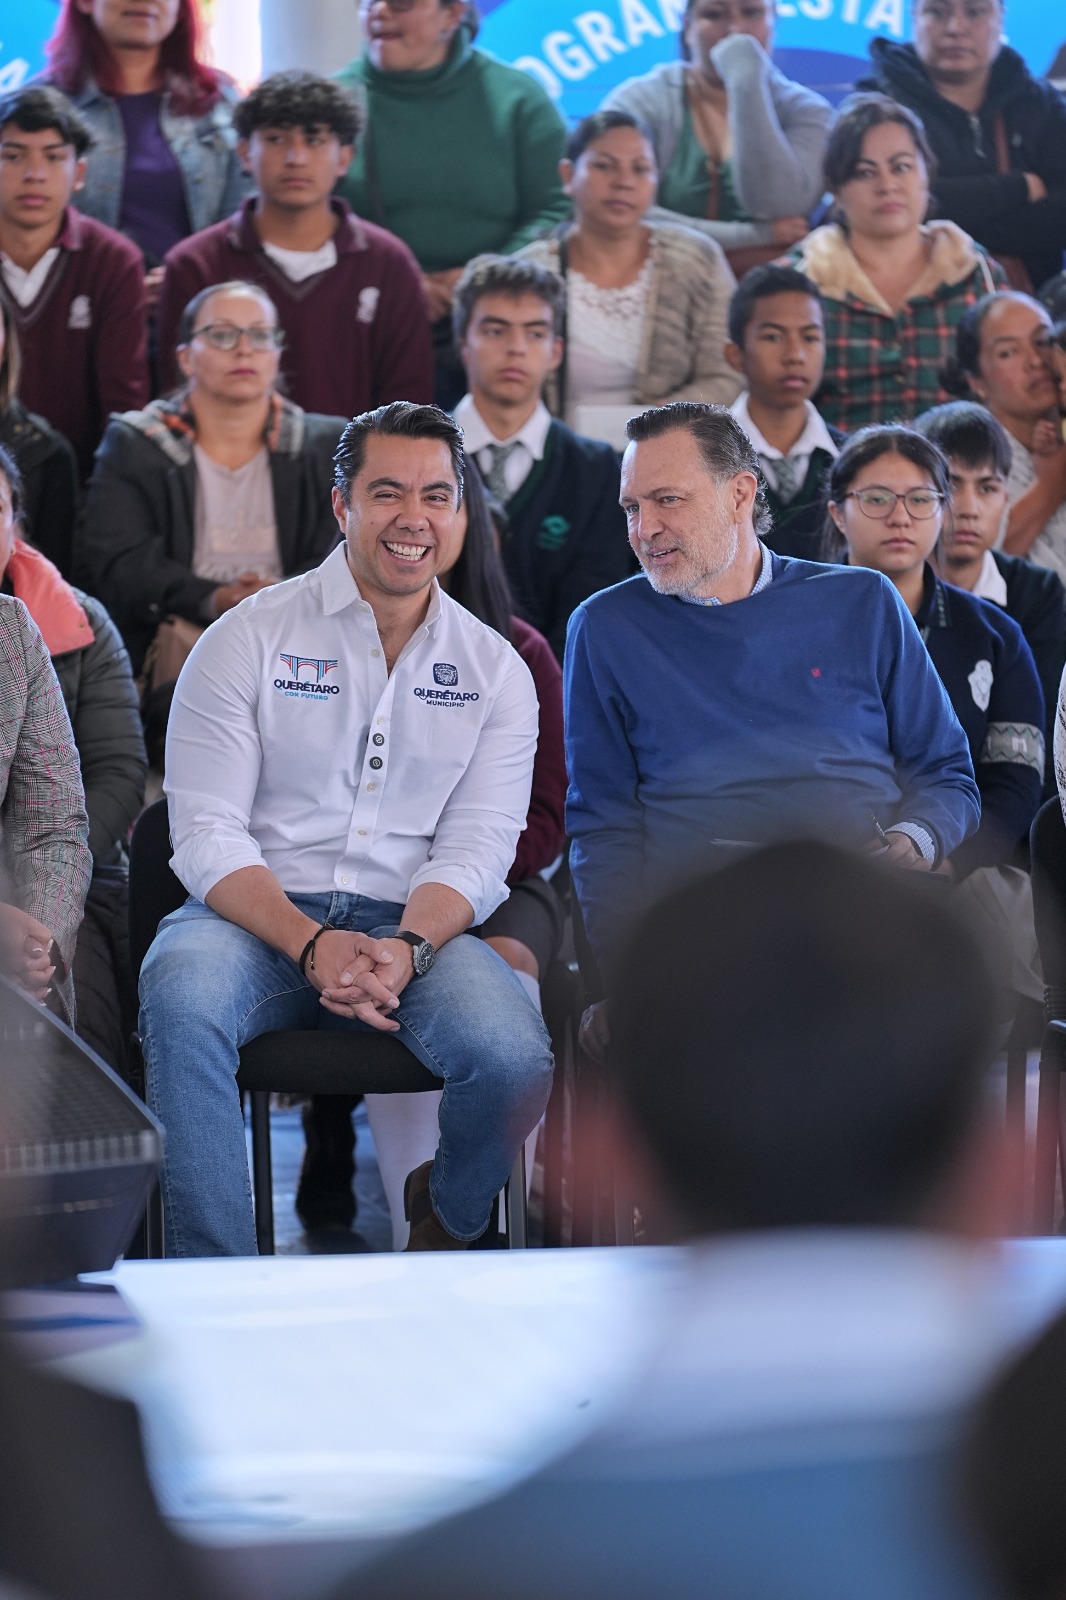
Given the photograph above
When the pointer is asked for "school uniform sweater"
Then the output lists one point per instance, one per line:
(811, 707)
(356, 335)
(84, 335)
(568, 535)
(799, 523)
(1036, 599)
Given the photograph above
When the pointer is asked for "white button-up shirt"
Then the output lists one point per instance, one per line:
(291, 747)
(532, 437)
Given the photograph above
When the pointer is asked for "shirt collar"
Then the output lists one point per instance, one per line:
(477, 434)
(991, 584)
(766, 573)
(339, 588)
(815, 435)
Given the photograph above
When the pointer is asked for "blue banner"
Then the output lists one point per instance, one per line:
(579, 51)
(24, 27)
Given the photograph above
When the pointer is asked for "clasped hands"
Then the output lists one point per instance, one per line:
(358, 976)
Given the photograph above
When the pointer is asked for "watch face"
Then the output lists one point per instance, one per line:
(423, 957)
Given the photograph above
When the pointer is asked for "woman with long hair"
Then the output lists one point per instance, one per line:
(1002, 358)
(525, 931)
(889, 496)
(45, 460)
(894, 286)
(646, 302)
(164, 158)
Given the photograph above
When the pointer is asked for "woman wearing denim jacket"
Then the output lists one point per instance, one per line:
(163, 163)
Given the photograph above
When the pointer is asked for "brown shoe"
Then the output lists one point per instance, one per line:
(427, 1230)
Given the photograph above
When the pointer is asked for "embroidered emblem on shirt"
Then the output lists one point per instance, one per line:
(552, 533)
(306, 688)
(368, 305)
(81, 315)
(980, 681)
(444, 673)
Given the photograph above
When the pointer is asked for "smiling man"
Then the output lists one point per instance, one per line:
(349, 763)
(341, 285)
(74, 288)
(730, 697)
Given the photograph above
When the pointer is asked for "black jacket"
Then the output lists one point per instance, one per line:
(994, 207)
(568, 534)
(1036, 600)
(49, 480)
(135, 539)
(799, 525)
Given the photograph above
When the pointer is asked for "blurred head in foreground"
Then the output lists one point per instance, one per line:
(801, 1040)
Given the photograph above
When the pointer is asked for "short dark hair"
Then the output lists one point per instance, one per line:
(759, 284)
(187, 324)
(298, 100)
(9, 467)
(969, 433)
(965, 364)
(792, 1082)
(856, 117)
(725, 447)
(867, 446)
(40, 107)
(593, 127)
(403, 419)
(510, 275)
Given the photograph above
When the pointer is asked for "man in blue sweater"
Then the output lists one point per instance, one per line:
(729, 696)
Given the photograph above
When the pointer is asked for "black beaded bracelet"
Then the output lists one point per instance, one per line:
(309, 947)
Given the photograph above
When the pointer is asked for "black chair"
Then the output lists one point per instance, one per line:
(1047, 842)
(300, 1062)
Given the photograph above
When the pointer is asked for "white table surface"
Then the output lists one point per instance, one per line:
(336, 1400)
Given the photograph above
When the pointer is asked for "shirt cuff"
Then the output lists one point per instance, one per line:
(919, 836)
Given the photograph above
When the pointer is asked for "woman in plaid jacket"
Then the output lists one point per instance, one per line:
(894, 287)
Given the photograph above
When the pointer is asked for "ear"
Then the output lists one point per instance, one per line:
(837, 516)
(566, 174)
(558, 346)
(244, 155)
(79, 173)
(340, 511)
(182, 357)
(344, 158)
(745, 487)
(734, 356)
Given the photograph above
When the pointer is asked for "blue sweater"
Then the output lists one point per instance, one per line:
(800, 710)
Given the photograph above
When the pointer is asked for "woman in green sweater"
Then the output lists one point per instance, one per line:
(460, 153)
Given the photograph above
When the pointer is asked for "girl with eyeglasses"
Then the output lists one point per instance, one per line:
(889, 496)
(214, 492)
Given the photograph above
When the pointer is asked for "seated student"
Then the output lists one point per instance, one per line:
(738, 145)
(777, 344)
(526, 930)
(809, 1108)
(894, 286)
(73, 287)
(45, 460)
(646, 302)
(1002, 359)
(202, 499)
(998, 131)
(889, 490)
(979, 459)
(348, 294)
(101, 700)
(560, 491)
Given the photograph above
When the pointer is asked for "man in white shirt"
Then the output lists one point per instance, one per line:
(349, 762)
(560, 490)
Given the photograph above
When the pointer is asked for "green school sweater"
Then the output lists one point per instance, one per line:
(458, 160)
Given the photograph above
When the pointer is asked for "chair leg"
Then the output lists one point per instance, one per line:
(1017, 1064)
(1047, 1136)
(517, 1214)
(262, 1174)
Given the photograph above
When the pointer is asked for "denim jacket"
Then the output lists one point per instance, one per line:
(204, 147)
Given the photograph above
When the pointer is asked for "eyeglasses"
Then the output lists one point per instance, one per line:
(227, 336)
(880, 503)
(393, 5)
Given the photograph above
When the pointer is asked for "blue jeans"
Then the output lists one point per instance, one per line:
(208, 987)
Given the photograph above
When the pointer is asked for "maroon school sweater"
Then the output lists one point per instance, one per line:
(545, 832)
(84, 336)
(356, 336)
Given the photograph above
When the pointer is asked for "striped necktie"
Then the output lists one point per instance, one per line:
(496, 479)
(787, 473)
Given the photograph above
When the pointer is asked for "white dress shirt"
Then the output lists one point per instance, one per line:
(815, 436)
(478, 436)
(291, 747)
(991, 584)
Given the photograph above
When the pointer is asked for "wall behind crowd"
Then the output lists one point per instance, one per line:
(578, 49)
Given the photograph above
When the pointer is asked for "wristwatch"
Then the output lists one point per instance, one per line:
(424, 953)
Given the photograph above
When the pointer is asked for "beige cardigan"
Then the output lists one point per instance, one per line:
(685, 330)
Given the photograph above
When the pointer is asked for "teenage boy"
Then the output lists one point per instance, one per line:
(73, 287)
(777, 344)
(560, 490)
(349, 295)
(979, 457)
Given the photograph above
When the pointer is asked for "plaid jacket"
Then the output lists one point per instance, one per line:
(881, 367)
(43, 827)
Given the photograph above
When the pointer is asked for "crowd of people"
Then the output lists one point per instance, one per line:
(395, 369)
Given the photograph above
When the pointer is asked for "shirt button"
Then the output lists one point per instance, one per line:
(371, 787)
(343, 878)
(375, 652)
(361, 832)
(379, 738)
(381, 722)
(376, 763)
